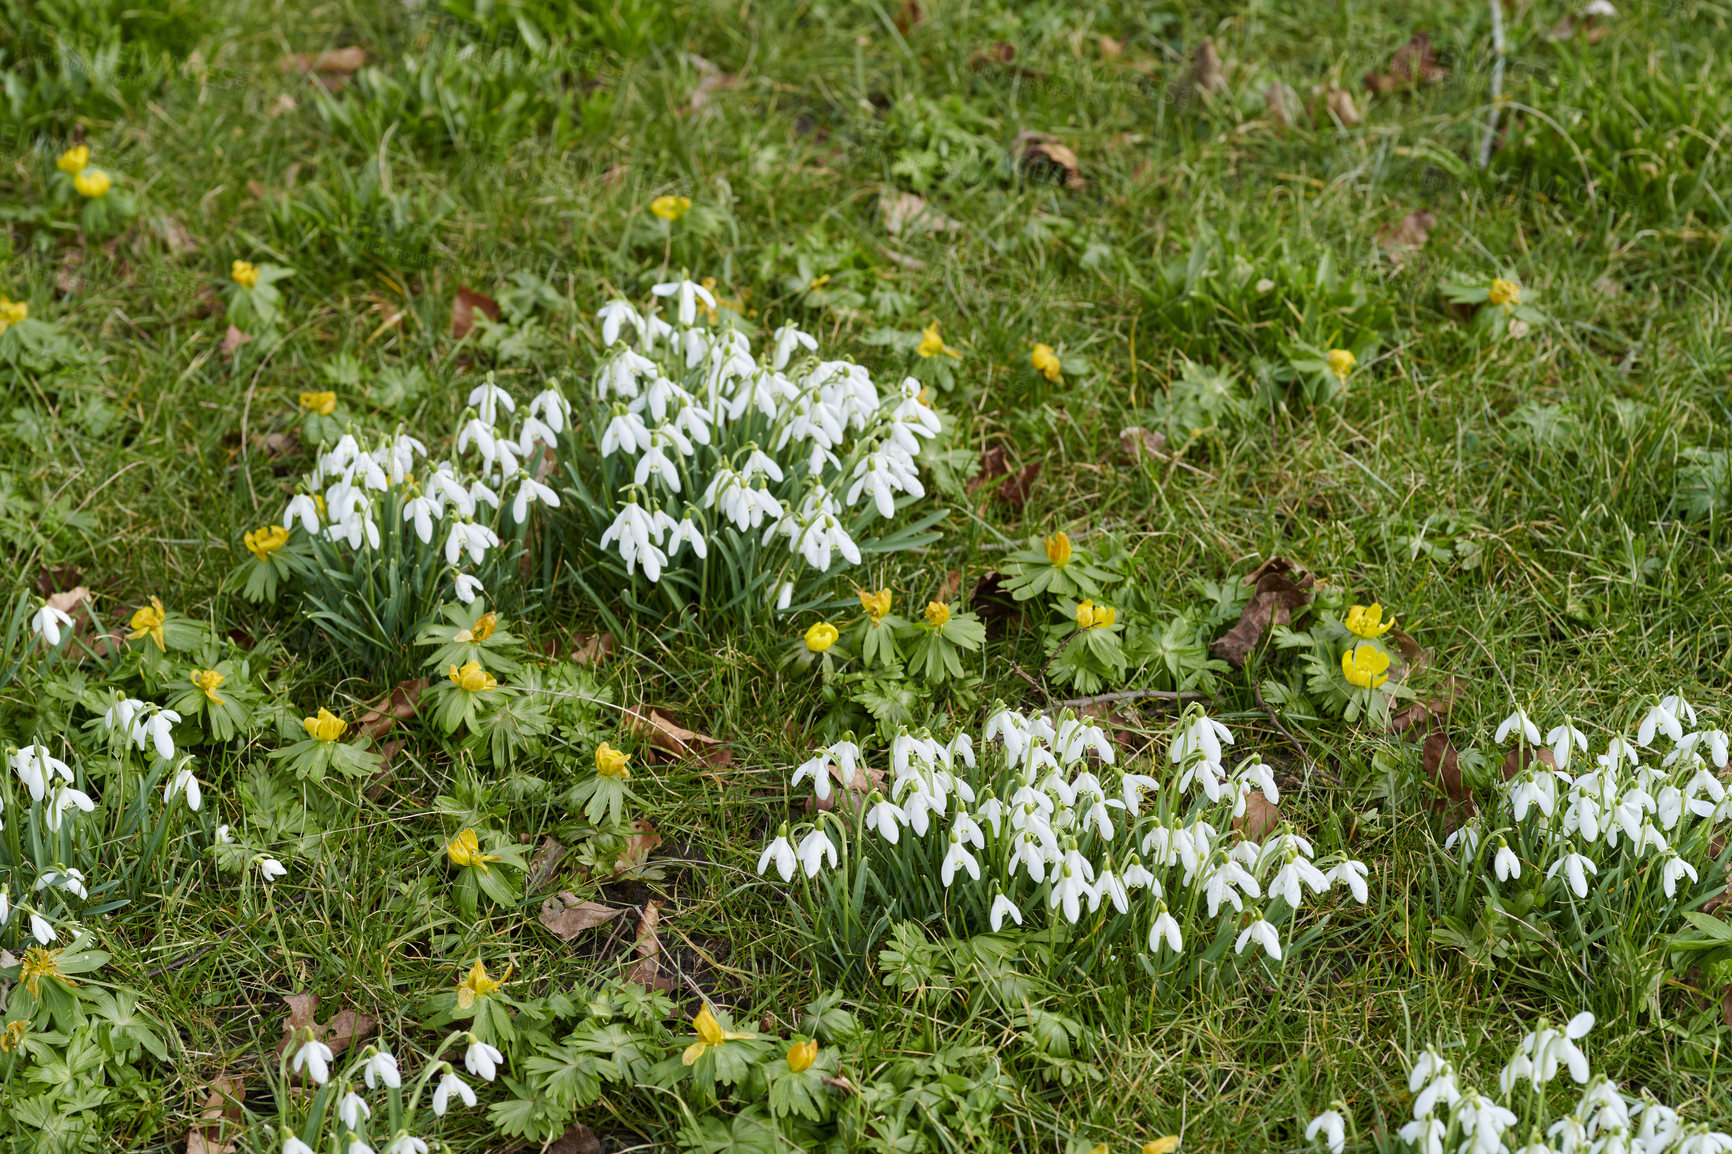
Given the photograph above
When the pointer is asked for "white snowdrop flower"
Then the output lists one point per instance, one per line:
(157, 729)
(1204, 735)
(784, 595)
(382, 1067)
(37, 768)
(884, 818)
(487, 397)
(1165, 929)
(957, 857)
(482, 1060)
(1661, 719)
(467, 586)
(422, 511)
(315, 1058)
(1110, 886)
(1506, 865)
(688, 294)
(64, 801)
(1071, 888)
(1562, 739)
(1333, 1129)
(1002, 906)
(448, 1085)
(1679, 708)
(1518, 721)
(41, 929)
(1425, 1135)
(1264, 935)
(271, 869)
(1291, 879)
(787, 339)
(552, 410)
(293, 1145)
(1468, 835)
(967, 830)
(302, 508)
(1485, 1121)
(184, 781)
(1352, 873)
(1575, 867)
(405, 1143)
(781, 852)
(613, 316)
(120, 715)
(814, 848)
(818, 769)
(353, 1110)
(48, 622)
(528, 490)
(1675, 868)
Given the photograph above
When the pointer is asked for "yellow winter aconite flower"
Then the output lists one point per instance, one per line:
(11, 312)
(91, 182)
(671, 208)
(476, 984)
(326, 727)
(244, 273)
(1058, 549)
(610, 762)
(1504, 292)
(710, 1033)
(1367, 621)
(937, 614)
(13, 1036)
(1164, 1145)
(208, 680)
(471, 678)
(801, 1055)
(147, 622)
(481, 630)
(261, 543)
(876, 604)
(821, 636)
(464, 850)
(1092, 616)
(40, 963)
(323, 404)
(1367, 666)
(1341, 362)
(73, 160)
(1046, 363)
(932, 345)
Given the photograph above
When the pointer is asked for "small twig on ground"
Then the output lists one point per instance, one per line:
(1020, 672)
(1310, 765)
(1136, 695)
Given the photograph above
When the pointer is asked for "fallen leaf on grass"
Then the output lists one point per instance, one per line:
(1414, 64)
(1408, 235)
(566, 916)
(1206, 75)
(1042, 154)
(711, 80)
(1276, 596)
(275, 446)
(908, 212)
(344, 1028)
(1589, 20)
(1137, 442)
(643, 841)
(1413, 660)
(398, 705)
(1281, 103)
(1260, 818)
(1442, 768)
(1337, 105)
(1110, 49)
(578, 1139)
(338, 62)
(909, 16)
(947, 588)
(67, 279)
(464, 307)
(1001, 54)
(676, 740)
(852, 794)
(218, 1128)
(234, 339)
(1519, 759)
(592, 648)
(1425, 710)
(994, 464)
(545, 862)
(649, 947)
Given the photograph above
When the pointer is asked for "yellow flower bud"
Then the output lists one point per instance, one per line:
(801, 1055)
(261, 543)
(11, 312)
(1058, 549)
(1341, 362)
(1365, 666)
(937, 614)
(671, 208)
(876, 604)
(481, 630)
(73, 160)
(91, 182)
(323, 404)
(821, 636)
(1046, 363)
(1504, 292)
(1367, 621)
(471, 678)
(244, 273)
(932, 345)
(1165, 1145)
(464, 850)
(326, 727)
(610, 762)
(148, 622)
(208, 680)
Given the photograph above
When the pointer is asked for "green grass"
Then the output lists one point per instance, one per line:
(1516, 502)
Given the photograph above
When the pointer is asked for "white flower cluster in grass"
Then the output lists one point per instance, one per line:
(451, 503)
(781, 445)
(1044, 818)
(353, 1126)
(1604, 1120)
(55, 804)
(1621, 810)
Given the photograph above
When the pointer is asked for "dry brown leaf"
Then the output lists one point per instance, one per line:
(851, 794)
(1414, 64)
(1423, 711)
(174, 235)
(337, 62)
(566, 916)
(909, 16)
(578, 1139)
(1137, 442)
(646, 972)
(1454, 799)
(948, 587)
(464, 307)
(1589, 21)
(1260, 818)
(1519, 759)
(1110, 49)
(342, 1030)
(218, 1128)
(908, 212)
(1337, 105)
(1280, 588)
(1041, 154)
(543, 865)
(1206, 75)
(592, 648)
(676, 740)
(1281, 103)
(643, 841)
(998, 54)
(1408, 235)
(711, 80)
(398, 705)
(67, 279)
(234, 339)
(1413, 661)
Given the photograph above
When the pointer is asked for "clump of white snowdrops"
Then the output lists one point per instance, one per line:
(712, 470)
(1450, 1117)
(341, 1117)
(1042, 819)
(1624, 843)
